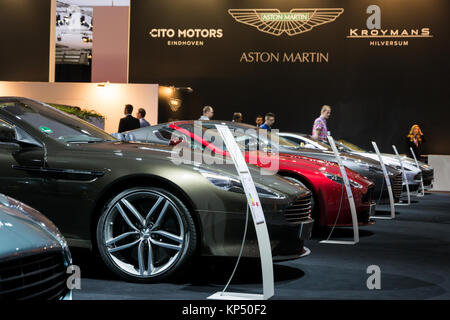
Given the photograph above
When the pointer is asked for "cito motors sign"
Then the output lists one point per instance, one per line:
(186, 37)
(271, 21)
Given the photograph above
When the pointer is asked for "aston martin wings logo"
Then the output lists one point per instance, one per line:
(294, 22)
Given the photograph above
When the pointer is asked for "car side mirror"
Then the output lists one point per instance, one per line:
(7, 133)
(175, 141)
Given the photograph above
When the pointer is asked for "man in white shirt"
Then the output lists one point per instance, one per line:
(141, 116)
(208, 113)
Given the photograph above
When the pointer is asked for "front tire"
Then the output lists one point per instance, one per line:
(146, 234)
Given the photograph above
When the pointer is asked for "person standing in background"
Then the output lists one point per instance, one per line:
(415, 140)
(141, 116)
(270, 120)
(259, 121)
(208, 113)
(128, 122)
(237, 117)
(320, 129)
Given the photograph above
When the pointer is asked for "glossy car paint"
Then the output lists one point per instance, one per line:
(309, 171)
(23, 233)
(413, 173)
(307, 142)
(368, 168)
(70, 183)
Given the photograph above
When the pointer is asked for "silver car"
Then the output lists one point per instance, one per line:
(34, 256)
(413, 174)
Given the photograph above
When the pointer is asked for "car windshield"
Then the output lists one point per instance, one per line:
(350, 146)
(247, 137)
(310, 142)
(55, 123)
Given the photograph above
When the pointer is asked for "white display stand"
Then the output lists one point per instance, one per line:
(351, 200)
(404, 178)
(388, 184)
(418, 167)
(257, 214)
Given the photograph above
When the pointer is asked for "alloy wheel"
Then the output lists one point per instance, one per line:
(143, 233)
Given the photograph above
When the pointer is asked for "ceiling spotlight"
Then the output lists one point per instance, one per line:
(185, 89)
(174, 104)
(86, 39)
(103, 84)
(168, 91)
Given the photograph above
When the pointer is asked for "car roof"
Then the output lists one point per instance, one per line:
(296, 134)
(228, 123)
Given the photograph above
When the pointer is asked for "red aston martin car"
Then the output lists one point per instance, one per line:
(323, 178)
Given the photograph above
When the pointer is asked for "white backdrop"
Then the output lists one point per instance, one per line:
(108, 100)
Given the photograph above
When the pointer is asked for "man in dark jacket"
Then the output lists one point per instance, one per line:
(128, 122)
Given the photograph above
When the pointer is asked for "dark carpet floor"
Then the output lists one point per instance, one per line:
(412, 251)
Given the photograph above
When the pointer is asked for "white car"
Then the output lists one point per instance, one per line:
(413, 174)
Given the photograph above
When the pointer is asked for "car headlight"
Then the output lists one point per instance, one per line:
(375, 168)
(232, 184)
(340, 180)
(369, 167)
(26, 212)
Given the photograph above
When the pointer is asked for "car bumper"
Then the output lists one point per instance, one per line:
(68, 296)
(223, 233)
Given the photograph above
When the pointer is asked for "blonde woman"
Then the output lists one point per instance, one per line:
(414, 140)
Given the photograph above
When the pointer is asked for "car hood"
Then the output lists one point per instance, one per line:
(391, 160)
(356, 159)
(302, 163)
(20, 235)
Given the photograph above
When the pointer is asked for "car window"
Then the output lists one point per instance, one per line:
(350, 146)
(311, 143)
(165, 133)
(294, 140)
(54, 123)
(21, 135)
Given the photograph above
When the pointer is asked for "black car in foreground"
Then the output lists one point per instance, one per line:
(146, 215)
(34, 256)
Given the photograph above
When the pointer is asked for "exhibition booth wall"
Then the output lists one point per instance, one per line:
(25, 34)
(241, 56)
(110, 48)
(441, 165)
(108, 99)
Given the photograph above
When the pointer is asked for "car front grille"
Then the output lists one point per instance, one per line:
(397, 185)
(428, 176)
(418, 176)
(369, 196)
(299, 210)
(40, 276)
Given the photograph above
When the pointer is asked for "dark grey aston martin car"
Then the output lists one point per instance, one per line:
(33, 255)
(146, 215)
